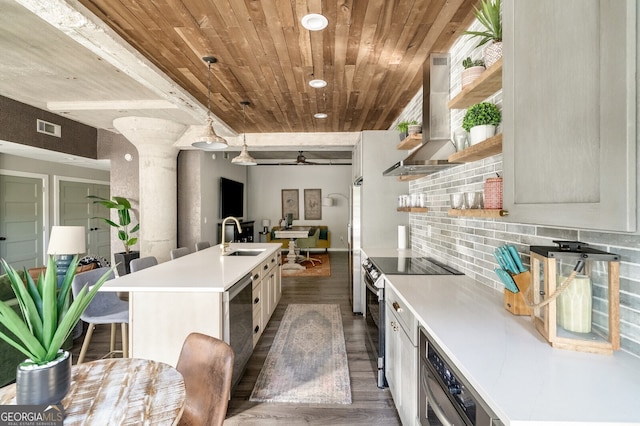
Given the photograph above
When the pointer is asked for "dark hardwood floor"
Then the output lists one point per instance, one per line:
(370, 404)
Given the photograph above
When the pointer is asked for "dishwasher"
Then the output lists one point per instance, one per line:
(238, 324)
(445, 398)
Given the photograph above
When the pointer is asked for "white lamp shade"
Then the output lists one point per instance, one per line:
(67, 240)
(327, 201)
(266, 222)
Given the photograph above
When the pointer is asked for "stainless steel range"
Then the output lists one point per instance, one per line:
(375, 269)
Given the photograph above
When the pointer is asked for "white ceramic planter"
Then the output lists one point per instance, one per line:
(415, 128)
(492, 53)
(478, 134)
(470, 75)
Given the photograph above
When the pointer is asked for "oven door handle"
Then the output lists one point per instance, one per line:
(431, 400)
(371, 287)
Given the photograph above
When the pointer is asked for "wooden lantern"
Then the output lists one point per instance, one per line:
(576, 300)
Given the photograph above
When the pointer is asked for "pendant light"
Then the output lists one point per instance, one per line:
(209, 141)
(244, 159)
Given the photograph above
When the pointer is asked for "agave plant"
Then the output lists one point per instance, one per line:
(123, 207)
(489, 16)
(47, 317)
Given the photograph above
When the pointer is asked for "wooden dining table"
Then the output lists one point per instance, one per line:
(120, 391)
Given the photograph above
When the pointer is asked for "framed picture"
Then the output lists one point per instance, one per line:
(290, 203)
(313, 204)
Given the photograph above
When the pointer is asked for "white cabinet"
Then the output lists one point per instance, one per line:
(401, 357)
(569, 113)
(267, 292)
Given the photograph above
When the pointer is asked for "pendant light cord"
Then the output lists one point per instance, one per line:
(244, 126)
(209, 90)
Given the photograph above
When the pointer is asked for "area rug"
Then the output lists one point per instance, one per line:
(319, 270)
(307, 362)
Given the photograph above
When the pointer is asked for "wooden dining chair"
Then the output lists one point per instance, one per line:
(206, 364)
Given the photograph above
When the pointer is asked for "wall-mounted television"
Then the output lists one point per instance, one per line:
(231, 198)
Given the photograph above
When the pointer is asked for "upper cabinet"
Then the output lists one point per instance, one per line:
(569, 113)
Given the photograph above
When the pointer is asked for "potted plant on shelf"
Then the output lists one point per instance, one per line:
(403, 127)
(489, 16)
(123, 208)
(472, 70)
(46, 321)
(480, 121)
(414, 127)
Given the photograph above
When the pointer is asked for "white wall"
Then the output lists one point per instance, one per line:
(264, 196)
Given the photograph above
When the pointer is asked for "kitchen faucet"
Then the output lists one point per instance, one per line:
(225, 245)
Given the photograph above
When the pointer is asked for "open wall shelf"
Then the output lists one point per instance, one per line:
(486, 85)
(486, 148)
(485, 213)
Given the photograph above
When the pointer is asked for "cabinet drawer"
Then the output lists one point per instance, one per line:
(402, 314)
(272, 261)
(257, 324)
(257, 298)
(256, 275)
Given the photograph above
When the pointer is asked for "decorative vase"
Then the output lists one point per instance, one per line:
(123, 259)
(403, 135)
(44, 384)
(478, 134)
(469, 75)
(492, 53)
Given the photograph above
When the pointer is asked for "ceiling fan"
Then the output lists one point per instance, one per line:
(300, 160)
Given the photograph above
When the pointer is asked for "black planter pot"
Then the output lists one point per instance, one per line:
(123, 259)
(44, 385)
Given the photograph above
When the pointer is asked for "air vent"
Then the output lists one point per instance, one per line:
(49, 128)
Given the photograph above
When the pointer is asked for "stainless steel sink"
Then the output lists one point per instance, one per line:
(245, 253)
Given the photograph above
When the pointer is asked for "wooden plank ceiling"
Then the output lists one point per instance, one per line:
(371, 55)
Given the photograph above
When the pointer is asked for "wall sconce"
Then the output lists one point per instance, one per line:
(266, 223)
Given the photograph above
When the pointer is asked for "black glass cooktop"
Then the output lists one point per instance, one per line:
(412, 266)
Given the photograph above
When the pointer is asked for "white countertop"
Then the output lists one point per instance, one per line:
(520, 376)
(204, 270)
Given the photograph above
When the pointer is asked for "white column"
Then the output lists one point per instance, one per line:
(154, 139)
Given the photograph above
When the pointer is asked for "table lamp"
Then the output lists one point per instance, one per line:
(64, 243)
(266, 223)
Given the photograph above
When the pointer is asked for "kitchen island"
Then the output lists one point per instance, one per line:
(518, 374)
(170, 300)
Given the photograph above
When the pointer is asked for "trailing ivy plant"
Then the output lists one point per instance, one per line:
(480, 114)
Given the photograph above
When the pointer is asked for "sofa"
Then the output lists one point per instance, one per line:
(323, 241)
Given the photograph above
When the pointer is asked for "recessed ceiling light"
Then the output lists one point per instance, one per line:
(320, 115)
(314, 22)
(318, 84)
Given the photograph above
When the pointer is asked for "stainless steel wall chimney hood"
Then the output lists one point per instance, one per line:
(432, 156)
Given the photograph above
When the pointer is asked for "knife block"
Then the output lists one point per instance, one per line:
(514, 302)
